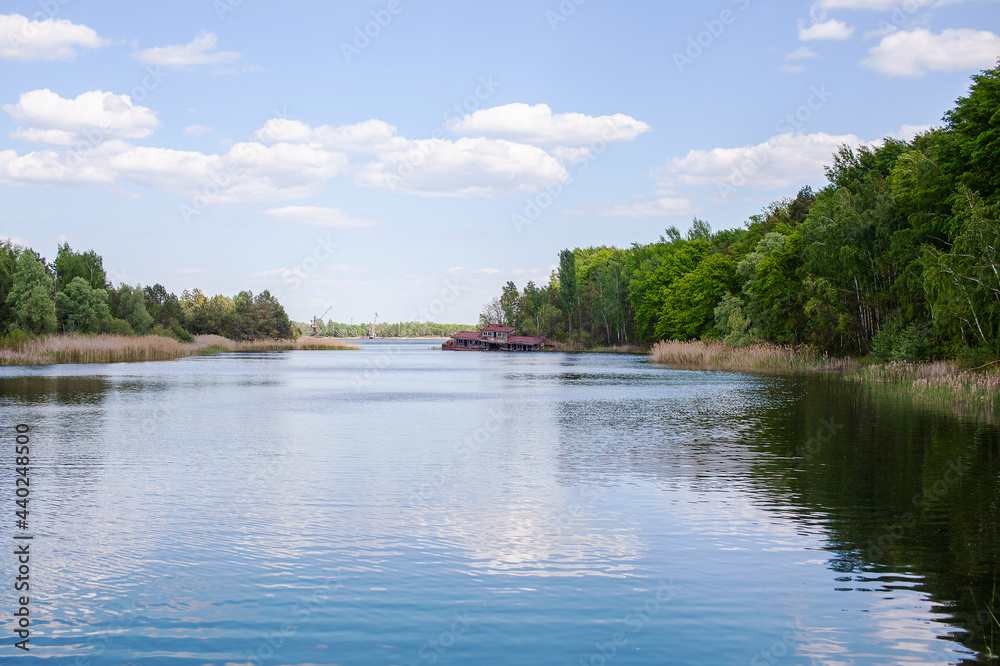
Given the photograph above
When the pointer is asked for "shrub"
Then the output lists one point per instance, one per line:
(117, 327)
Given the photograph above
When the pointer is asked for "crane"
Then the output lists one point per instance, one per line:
(316, 320)
(371, 331)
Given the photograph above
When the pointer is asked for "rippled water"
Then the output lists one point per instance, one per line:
(402, 505)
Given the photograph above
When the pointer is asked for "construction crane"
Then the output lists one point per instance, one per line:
(371, 331)
(316, 320)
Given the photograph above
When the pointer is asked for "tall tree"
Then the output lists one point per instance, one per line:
(32, 307)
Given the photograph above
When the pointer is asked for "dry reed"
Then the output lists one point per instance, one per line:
(938, 382)
(129, 349)
(697, 353)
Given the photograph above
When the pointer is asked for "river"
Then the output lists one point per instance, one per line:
(403, 505)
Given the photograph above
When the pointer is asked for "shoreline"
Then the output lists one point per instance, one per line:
(932, 383)
(105, 348)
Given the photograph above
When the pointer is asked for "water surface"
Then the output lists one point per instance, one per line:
(403, 505)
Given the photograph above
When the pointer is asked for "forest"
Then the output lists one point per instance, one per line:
(896, 258)
(405, 329)
(73, 295)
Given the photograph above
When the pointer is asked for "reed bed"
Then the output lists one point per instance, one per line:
(939, 381)
(128, 349)
(697, 353)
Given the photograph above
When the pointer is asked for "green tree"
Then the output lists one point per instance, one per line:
(82, 309)
(129, 304)
(87, 265)
(32, 307)
(975, 122)
(569, 288)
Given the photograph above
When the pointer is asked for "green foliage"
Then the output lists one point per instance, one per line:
(975, 124)
(70, 265)
(30, 298)
(117, 327)
(129, 303)
(731, 322)
(82, 309)
(689, 308)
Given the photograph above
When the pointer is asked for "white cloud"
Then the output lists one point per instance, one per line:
(91, 118)
(665, 207)
(792, 69)
(909, 132)
(49, 39)
(197, 130)
(832, 29)
(782, 161)
(295, 161)
(884, 5)
(464, 168)
(320, 217)
(915, 53)
(802, 53)
(200, 51)
(537, 125)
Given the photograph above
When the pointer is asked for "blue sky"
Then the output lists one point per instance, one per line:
(409, 158)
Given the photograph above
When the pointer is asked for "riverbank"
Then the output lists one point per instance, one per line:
(939, 382)
(136, 349)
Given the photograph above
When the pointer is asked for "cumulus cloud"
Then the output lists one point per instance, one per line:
(916, 52)
(782, 161)
(200, 51)
(485, 168)
(92, 117)
(319, 216)
(665, 207)
(537, 125)
(832, 29)
(49, 39)
(290, 160)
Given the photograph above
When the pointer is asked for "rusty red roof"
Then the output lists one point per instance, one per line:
(466, 335)
(500, 329)
(524, 340)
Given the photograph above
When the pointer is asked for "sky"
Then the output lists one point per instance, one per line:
(410, 158)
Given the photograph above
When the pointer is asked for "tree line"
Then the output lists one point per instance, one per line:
(73, 295)
(897, 256)
(405, 329)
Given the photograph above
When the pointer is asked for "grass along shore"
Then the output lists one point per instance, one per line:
(131, 349)
(940, 382)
